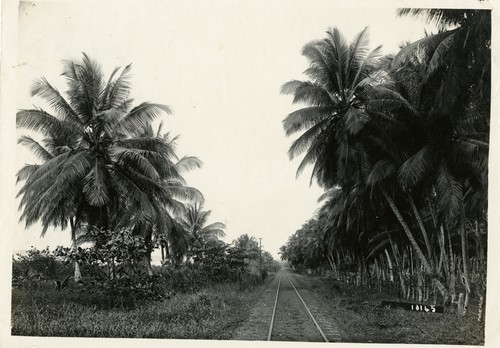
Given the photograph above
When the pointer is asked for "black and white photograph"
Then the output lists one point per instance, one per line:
(233, 172)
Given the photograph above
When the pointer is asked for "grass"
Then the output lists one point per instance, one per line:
(358, 311)
(211, 313)
(214, 313)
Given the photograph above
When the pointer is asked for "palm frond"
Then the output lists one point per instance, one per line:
(449, 192)
(320, 69)
(137, 200)
(382, 170)
(105, 92)
(188, 194)
(45, 171)
(422, 47)
(45, 90)
(188, 163)
(355, 119)
(415, 168)
(215, 226)
(136, 160)
(36, 148)
(444, 18)
(304, 142)
(306, 118)
(386, 100)
(91, 79)
(438, 58)
(119, 90)
(308, 93)
(40, 121)
(139, 117)
(75, 168)
(111, 119)
(95, 185)
(338, 51)
(152, 145)
(214, 230)
(363, 67)
(357, 50)
(26, 171)
(378, 248)
(81, 88)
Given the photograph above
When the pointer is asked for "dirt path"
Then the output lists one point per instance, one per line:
(292, 322)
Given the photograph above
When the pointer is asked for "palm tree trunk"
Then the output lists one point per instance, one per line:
(465, 258)
(420, 283)
(480, 285)
(452, 278)
(480, 244)
(413, 242)
(422, 229)
(389, 263)
(147, 259)
(399, 265)
(443, 260)
(331, 261)
(77, 275)
(407, 231)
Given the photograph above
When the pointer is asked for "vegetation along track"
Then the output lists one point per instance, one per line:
(292, 320)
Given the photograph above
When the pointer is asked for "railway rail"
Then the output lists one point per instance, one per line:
(276, 310)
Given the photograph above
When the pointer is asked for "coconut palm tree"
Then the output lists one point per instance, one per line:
(453, 98)
(343, 77)
(248, 245)
(51, 146)
(179, 194)
(419, 159)
(192, 231)
(194, 222)
(104, 170)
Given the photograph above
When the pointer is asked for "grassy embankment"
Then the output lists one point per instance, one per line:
(357, 310)
(211, 313)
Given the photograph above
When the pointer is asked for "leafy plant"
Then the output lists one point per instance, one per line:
(38, 265)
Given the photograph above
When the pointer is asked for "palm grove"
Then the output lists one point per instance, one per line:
(110, 174)
(400, 145)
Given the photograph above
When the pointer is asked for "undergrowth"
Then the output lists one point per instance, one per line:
(359, 312)
(210, 313)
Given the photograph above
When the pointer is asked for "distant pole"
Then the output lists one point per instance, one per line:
(260, 255)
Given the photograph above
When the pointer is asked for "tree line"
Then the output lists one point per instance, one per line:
(109, 172)
(400, 144)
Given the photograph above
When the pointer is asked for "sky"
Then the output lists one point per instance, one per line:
(219, 65)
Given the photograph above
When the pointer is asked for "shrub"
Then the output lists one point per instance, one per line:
(36, 266)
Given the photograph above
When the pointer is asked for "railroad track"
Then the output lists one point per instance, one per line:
(290, 311)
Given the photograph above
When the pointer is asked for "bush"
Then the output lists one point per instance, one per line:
(250, 280)
(37, 266)
(127, 292)
(114, 271)
(183, 279)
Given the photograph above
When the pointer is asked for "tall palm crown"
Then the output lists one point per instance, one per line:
(100, 165)
(452, 74)
(343, 79)
(194, 222)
